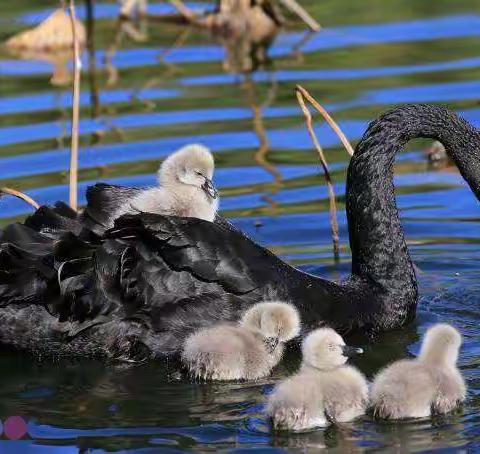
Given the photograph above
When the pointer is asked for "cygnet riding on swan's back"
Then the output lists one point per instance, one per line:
(186, 188)
(430, 384)
(245, 351)
(324, 391)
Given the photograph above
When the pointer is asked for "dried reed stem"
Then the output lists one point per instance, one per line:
(20, 195)
(73, 179)
(297, 9)
(331, 191)
(328, 118)
(184, 10)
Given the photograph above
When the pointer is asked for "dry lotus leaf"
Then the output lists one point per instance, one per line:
(53, 33)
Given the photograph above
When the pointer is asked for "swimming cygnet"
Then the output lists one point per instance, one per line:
(185, 187)
(430, 384)
(246, 351)
(325, 390)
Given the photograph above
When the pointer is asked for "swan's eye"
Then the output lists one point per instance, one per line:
(199, 173)
(331, 347)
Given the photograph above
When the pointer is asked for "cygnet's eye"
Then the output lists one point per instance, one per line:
(199, 173)
(331, 347)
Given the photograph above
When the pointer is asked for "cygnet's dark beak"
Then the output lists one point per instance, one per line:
(351, 351)
(271, 343)
(209, 188)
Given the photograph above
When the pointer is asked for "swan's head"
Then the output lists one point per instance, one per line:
(192, 165)
(325, 349)
(276, 322)
(441, 344)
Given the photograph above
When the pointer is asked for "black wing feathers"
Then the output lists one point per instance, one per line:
(207, 251)
(54, 220)
(103, 200)
(148, 267)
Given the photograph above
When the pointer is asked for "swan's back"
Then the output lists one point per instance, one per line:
(221, 340)
(344, 388)
(406, 388)
(226, 352)
(103, 200)
(451, 389)
(297, 403)
(176, 275)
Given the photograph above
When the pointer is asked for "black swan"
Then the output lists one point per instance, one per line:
(139, 289)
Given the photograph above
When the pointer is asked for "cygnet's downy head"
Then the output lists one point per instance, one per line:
(325, 349)
(192, 165)
(275, 321)
(441, 344)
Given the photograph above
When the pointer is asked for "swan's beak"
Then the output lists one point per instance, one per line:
(271, 343)
(351, 351)
(209, 188)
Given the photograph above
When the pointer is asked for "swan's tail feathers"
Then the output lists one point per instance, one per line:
(25, 259)
(82, 291)
(53, 221)
(103, 200)
(76, 292)
(41, 263)
(26, 266)
(26, 239)
(53, 260)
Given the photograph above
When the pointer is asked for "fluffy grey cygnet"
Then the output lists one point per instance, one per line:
(246, 351)
(185, 187)
(429, 384)
(324, 391)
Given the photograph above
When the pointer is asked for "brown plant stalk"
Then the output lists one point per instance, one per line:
(20, 195)
(184, 10)
(73, 177)
(302, 13)
(331, 191)
(328, 118)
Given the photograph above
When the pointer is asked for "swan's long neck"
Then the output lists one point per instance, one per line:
(379, 251)
(438, 354)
